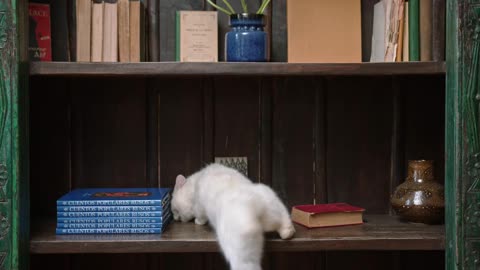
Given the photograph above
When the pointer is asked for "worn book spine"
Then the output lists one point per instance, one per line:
(438, 30)
(426, 30)
(60, 32)
(109, 225)
(367, 28)
(108, 231)
(109, 214)
(107, 208)
(110, 31)
(153, 31)
(123, 31)
(40, 41)
(135, 29)
(97, 31)
(84, 19)
(67, 220)
(399, 56)
(414, 29)
(406, 38)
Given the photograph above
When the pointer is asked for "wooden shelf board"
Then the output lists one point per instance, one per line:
(146, 69)
(380, 232)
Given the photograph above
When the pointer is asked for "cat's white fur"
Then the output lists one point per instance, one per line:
(238, 210)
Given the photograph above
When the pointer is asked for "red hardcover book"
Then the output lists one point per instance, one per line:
(327, 215)
(40, 39)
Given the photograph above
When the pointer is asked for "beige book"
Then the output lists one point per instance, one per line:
(197, 36)
(425, 30)
(406, 39)
(135, 9)
(315, 33)
(97, 31)
(110, 31)
(83, 21)
(123, 30)
(399, 55)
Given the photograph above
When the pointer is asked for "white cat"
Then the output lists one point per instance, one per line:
(239, 211)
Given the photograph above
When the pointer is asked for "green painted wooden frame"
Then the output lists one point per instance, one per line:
(14, 217)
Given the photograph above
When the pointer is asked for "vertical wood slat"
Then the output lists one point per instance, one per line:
(265, 134)
(319, 140)
(279, 31)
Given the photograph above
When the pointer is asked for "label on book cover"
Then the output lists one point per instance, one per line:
(116, 196)
(108, 225)
(40, 41)
(108, 220)
(108, 208)
(107, 231)
(109, 214)
(198, 36)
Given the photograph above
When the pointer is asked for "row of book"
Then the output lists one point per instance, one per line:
(114, 211)
(128, 31)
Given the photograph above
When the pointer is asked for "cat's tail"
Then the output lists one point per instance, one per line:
(240, 235)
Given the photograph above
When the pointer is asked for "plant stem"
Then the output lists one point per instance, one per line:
(229, 6)
(219, 8)
(244, 6)
(263, 6)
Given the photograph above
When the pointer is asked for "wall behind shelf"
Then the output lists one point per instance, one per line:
(310, 138)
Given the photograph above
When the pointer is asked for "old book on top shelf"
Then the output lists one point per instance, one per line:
(136, 44)
(438, 30)
(60, 31)
(83, 24)
(316, 36)
(123, 31)
(197, 36)
(426, 30)
(97, 31)
(414, 29)
(327, 215)
(110, 31)
(40, 41)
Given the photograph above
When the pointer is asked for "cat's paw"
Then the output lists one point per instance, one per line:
(200, 221)
(287, 232)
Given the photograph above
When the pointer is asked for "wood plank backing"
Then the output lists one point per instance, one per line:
(358, 142)
(108, 133)
(49, 144)
(108, 261)
(236, 115)
(293, 155)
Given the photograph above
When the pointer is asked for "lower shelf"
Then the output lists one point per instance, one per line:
(379, 232)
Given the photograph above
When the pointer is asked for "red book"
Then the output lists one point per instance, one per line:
(327, 215)
(40, 39)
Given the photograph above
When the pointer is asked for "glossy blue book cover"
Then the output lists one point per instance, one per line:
(108, 231)
(108, 214)
(109, 208)
(116, 196)
(109, 225)
(67, 220)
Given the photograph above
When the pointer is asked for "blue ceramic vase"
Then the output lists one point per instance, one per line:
(246, 41)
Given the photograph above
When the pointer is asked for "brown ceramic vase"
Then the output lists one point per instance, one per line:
(420, 198)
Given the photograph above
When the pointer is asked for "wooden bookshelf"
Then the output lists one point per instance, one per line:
(233, 69)
(380, 232)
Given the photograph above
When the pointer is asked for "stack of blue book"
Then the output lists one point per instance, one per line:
(114, 211)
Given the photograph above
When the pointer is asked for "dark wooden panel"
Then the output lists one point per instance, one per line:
(279, 31)
(359, 142)
(297, 261)
(50, 261)
(378, 233)
(422, 260)
(237, 116)
(180, 114)
(108, 133)
(425, 121)
(177, 261)
(216, 261)
(266, 119)
(109, 261)
(293, 155)
(250, 69)
(168, 9)
(49, 144)
(372, 260)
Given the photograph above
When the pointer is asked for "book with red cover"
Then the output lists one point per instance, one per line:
(40, 47)
(327, 215)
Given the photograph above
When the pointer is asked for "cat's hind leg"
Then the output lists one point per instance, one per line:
(241, 239)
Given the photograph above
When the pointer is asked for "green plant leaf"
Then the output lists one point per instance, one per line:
(219, 8)
(263, 6)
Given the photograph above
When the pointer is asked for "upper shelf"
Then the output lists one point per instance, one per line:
(379, 232)
(233, 69)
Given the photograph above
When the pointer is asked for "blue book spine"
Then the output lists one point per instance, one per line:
(108, 214)
(109, 225)
(67, 220)
(110, 202)
(107, 231)
(108, 208)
